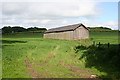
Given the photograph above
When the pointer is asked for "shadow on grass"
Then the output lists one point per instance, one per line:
(12, 41)
(4, 45)
(105, 58)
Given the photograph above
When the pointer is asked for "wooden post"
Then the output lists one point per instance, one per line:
(93, 43)
(99, 44)
(108, 45)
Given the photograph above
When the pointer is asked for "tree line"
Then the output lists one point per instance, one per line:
(99, 29)
(17, 29)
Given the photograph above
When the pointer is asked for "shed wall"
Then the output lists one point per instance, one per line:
(81, 33)
(68, 35)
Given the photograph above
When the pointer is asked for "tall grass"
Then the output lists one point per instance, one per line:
(103, 57)
(50, 58)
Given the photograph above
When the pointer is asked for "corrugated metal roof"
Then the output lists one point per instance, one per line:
(65, 28)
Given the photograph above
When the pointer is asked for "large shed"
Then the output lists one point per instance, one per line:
(70, 32)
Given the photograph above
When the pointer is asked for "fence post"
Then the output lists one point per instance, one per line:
(108, 45)
(99, 44)
(93, 43)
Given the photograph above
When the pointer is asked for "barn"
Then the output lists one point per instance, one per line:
(69, 32)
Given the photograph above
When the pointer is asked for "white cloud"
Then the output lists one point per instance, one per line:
(50, 13)
(13, 8)
(55, 0)
(45, 21)
(64, 9)
(53, 12)
(112, 24)
(64, 22)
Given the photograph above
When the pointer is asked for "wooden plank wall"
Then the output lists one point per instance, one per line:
(79, 33)
(68, 35)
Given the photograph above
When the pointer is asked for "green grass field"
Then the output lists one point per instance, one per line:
(29, 55)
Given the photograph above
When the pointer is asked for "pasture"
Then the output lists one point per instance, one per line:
(31, 56)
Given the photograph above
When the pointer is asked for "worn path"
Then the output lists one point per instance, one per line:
(75, 70)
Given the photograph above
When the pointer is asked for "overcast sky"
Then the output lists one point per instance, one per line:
(56, 13)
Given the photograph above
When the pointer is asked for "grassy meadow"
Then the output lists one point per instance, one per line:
(31, 56)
